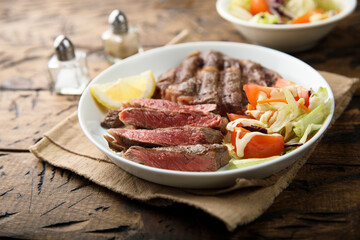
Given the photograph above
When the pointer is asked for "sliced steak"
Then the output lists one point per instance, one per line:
(254, 73)
(182, 73)
(194, 158)
(154, 118)
(168, 105)
(115, 145)
(173, 136)
(212, 58)
(208, 84)
(213, 78)
(112, 119)
(231, 92)
(175, 92)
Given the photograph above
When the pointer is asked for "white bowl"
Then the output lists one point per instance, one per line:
(286, 37)
(159, 60)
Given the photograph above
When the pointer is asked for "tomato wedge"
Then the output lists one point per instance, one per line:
(258, 6)
(280, 83)
(302, 92)
(260, 146)
(252, 92)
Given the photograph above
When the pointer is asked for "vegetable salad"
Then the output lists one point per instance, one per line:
(284, 11)
(278, 120)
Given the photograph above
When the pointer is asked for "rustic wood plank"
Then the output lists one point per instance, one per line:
(59, 204)
(27, 115)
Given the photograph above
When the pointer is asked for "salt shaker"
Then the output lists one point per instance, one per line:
(67, 68)
(120, 41)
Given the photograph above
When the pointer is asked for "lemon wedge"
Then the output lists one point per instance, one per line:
(112, 95)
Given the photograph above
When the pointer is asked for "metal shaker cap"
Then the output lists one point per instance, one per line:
(118, 22)
(64, 49)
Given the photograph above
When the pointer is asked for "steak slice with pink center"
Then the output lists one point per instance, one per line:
(193, 158)
(172, 136)
(153, 118)
(112, 120)
(168, 105)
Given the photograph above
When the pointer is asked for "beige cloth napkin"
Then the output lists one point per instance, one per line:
(65, 146)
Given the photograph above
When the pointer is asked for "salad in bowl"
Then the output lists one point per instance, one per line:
(286, 25)
(284, 11)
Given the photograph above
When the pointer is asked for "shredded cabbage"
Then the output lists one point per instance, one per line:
(327, 5)
(288, 118)
(265, 18)
(240, 9)
(299, 7)
(241, 3)
(284, 11)
(317, 98)
(316, 116)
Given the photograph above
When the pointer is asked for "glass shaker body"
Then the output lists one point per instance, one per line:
(118, 46)
(69, 77)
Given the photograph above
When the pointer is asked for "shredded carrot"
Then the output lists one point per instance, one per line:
(284, 101)
(272, 100)
(306, 17)
(304, 107)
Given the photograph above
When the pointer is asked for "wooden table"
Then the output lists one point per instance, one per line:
(39, 201)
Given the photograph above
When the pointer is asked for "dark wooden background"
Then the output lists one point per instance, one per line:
(39, 201)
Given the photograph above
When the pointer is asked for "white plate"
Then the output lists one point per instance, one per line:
(159, 60)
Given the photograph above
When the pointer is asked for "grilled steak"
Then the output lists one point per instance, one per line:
(194, 158)
(114, 144)
(254, 73)
(213, 78)
(154, 118)
(112, 119)
(179, 132)
(168, 105)
(173, 136)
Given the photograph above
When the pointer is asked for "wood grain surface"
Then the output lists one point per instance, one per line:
(39, 201)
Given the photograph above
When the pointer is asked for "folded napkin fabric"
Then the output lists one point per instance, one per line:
(65, 146)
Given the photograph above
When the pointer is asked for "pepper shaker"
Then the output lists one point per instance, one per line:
(67, 68)
(120, 41)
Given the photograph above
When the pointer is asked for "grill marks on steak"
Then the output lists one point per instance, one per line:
(208, 82)
(195, 158)
(172, 136)
(230, 92)
(254, 73)
(154, 118)
(216, 79)
(180, 81)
